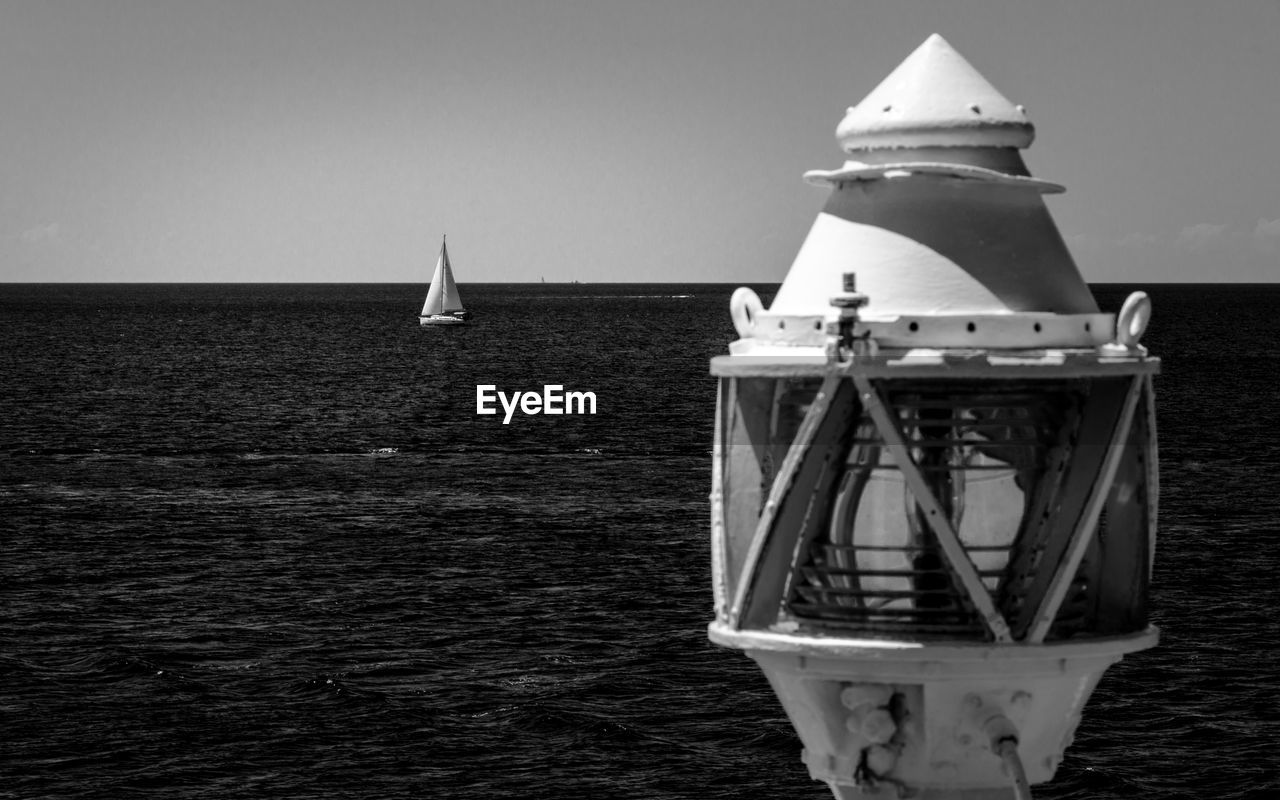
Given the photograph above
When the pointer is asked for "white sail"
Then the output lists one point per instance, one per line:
(442, 297)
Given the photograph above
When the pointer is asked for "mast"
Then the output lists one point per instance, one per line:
(444, 260)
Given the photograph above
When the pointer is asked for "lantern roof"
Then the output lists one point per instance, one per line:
(935, 98)
(935, 212)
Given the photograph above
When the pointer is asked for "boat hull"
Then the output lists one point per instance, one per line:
(441, 319)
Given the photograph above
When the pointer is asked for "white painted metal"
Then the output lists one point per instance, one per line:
(1042, 689)
(967, 281)
(935, 98)
(1130, 325)
(719, 569)
(1008, 331)
(929, 362)
(1153, 468)
(894, 170)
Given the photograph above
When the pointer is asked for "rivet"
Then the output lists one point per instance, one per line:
(1021, 109)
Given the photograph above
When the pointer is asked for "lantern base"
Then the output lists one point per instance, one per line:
(881, 718)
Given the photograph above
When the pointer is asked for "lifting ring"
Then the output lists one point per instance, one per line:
(745, 307)
(1133, 319)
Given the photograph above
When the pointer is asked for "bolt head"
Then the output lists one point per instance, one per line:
(880, 760)
(878, 726)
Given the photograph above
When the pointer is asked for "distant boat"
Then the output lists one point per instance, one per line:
(443, 305)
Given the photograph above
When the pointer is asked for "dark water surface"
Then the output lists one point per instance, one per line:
(257, 543)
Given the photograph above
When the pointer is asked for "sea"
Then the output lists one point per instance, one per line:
(256, 542)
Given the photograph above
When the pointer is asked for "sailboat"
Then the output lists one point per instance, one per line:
(443, 305)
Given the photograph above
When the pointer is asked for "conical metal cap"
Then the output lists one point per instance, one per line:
(935, 98)
(935, 211)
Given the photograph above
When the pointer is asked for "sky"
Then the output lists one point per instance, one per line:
(595, 140)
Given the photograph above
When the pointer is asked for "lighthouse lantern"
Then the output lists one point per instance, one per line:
(934, 479)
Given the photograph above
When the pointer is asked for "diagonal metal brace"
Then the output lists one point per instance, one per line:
(1047, 611)
(768, 561)
(935, 515)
